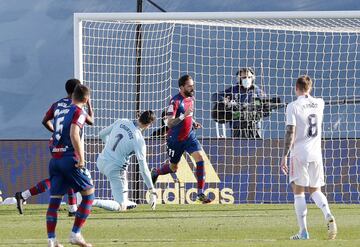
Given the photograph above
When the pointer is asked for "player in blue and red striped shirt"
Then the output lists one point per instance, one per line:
(44, 185)
(66, 168)
(181, 135)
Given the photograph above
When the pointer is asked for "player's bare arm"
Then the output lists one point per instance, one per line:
(288, 141)
(175, 121)
(48, 124)
(76, 142)
(90, 117)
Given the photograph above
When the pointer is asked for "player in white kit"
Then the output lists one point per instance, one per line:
(304, 118)
(123, 139)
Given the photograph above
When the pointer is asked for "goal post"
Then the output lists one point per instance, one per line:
(212, 47)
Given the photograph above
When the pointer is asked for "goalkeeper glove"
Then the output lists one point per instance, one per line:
(153, 199)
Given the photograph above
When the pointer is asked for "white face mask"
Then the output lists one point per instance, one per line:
(246, 83)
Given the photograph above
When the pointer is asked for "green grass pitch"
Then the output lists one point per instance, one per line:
(184, 225)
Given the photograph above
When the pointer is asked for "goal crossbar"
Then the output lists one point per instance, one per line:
(217, 15)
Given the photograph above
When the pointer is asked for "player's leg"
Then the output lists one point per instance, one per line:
(299, 179)
(301, 212)
(258, 126)
(166, 168)
(82, 213)
(316, 174)
(118, 190)
(79, 180)
(72, 206)
(124, 182)
(111, 205)
(200, 171)
(193, 147)
(119, 187)
(175, 150)
(235, 126)
(39, 188)
(51, 219)
(200, 176)
(57, 191)
(322, 203)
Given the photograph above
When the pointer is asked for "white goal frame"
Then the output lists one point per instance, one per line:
(210, 19)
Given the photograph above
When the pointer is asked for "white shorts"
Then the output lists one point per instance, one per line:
(306, 174)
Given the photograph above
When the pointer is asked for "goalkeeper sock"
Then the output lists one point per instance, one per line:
(51, 216)
(164, 169)
(200, 175)
(83, 212)
(71, 197)
(41, 187)
(322, 203)
(301, 211)
(107, 204)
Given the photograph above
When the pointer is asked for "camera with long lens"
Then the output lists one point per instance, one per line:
(249, 112)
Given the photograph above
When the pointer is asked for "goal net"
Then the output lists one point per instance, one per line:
(132, 63)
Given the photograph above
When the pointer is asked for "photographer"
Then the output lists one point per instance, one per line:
(239, 106)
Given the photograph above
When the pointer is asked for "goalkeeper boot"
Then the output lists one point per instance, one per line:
(54, 243)
(130, 205)
(154, 175)
(78, 239)
(304, 235)
(19, 202)
(203, 199)
(332, 228)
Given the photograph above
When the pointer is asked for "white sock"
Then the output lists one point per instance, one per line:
(107, 204)
(26, 194)
(301, 211)
(75, 234)
(320, 200)
(72, 208)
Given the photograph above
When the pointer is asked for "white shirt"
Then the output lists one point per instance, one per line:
(306, 114)
(123, 139)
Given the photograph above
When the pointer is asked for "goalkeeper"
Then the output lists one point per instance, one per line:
(123, 139)
(240, 94)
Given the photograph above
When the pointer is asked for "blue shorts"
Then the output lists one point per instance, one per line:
(176, 148)
(64, 175)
